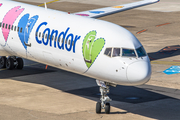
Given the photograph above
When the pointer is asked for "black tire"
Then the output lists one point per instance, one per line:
(98, 107)
(20, 63)
(107, 108)
(10, 64)
(3, 62)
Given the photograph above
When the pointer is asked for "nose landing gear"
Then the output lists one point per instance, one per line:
(104, 104)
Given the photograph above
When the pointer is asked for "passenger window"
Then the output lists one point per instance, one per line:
(73, 43)
(141, 52)
(3, 25)
(39, 34)
(0, 24)
(18, 29)
(9, 27)
(108, 52)
(116, 52)
(21, 30)
(56, 38)
(12, 27)
(128, 53)
(59, 39)
(69, 42)
(6, 26)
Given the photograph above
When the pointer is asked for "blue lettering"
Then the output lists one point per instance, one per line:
(70, 35)
(46, 35)
(56, 33)
(75, 40)
(62, 40)
(64, 36)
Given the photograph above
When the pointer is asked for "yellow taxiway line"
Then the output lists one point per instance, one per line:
(48, 2)
(2, 69)
(165, 62)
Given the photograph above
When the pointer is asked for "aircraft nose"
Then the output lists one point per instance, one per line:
(139, 72)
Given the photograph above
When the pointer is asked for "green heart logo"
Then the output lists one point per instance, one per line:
(92, 48)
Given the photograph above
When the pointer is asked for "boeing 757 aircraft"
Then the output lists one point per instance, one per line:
(75, 42)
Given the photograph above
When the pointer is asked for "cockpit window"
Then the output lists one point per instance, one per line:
(116, 52)
(108, 52)
(128, 53)
(141, 52)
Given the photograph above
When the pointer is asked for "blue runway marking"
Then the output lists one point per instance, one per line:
(172, 70)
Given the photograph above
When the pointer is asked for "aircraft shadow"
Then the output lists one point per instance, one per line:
(149, 101)
(168, 51)
(24, 72)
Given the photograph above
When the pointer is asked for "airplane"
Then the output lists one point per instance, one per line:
(76, 42)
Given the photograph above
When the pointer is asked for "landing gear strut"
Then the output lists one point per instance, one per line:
(104, 104)
(11, 62)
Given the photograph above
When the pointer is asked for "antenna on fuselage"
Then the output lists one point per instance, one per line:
(45, 5)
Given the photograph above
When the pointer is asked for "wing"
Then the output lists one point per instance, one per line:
(115, 9)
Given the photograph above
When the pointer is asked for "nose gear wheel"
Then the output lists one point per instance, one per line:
(105, 99)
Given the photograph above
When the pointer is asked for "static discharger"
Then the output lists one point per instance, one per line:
(162, 24)
(141, 31)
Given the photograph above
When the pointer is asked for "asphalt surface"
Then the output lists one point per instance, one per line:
(36, 93)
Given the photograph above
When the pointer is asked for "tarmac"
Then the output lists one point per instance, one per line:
(36, 93)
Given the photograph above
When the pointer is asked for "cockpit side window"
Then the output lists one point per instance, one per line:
(141, 52)
(128, 53)
(108, 52)
(116, 52)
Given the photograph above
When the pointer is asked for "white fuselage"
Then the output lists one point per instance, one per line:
(58, 39)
